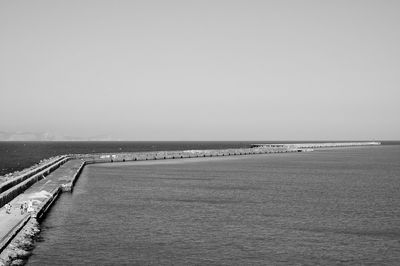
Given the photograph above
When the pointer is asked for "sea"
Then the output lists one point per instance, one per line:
(328, 207)
(18, 155)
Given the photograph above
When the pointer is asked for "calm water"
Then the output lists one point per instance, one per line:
(326, 207)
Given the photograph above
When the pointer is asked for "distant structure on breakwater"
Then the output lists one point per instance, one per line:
(44, 183)
(316, 145)
(163, 155)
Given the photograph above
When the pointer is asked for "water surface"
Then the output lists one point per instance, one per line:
(325, 207)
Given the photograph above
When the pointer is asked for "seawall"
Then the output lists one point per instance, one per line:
(162, 155)
(18, 228)
(12, 188)
(15, 180)
(317, 145)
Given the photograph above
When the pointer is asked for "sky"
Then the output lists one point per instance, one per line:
(201, 70)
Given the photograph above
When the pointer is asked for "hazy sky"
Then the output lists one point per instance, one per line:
(201, 70)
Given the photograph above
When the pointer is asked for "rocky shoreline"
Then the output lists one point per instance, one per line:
(20, 248)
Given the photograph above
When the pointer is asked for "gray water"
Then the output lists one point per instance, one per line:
(326, 207)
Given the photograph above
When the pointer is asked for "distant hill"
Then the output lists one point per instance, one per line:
(46, 136)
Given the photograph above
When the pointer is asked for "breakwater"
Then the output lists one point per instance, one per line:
(13, 187)
(163, 155)
(18, 227)
(316, 145)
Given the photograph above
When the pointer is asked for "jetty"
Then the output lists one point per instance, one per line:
(42, 185)
(317, 145)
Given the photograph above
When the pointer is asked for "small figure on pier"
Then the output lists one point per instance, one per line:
(30, 206)
(8, 208)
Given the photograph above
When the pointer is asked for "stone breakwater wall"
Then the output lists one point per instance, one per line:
(21, 245)
(69, 186)
(163, 155)
(12, 188)
(316, 145)
(17, 246)
(20, 178)
(17, 242)
(42, 209)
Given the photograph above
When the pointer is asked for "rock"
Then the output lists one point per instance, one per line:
(12, 255)
(17, 262)
(26, 245)
(22, 254)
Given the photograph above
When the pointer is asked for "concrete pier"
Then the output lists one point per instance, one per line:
(42, 194)
(18, 179)
(12, 188)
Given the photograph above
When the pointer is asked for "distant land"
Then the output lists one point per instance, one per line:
(47, 136)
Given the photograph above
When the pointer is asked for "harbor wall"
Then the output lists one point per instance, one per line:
(18, 179)
(316, 145)
(45, 206)
(20, 184)
(15, 244)
(69, 186)
(163, 155)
